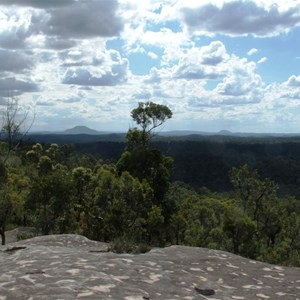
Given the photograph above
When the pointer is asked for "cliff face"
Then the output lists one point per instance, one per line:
(73, 267)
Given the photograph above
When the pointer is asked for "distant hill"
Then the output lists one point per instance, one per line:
(193, 134)
(178, 134)
(81, 130)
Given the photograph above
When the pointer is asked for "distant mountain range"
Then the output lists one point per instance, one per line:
(74, 130)
(84, 130)
(223, 133)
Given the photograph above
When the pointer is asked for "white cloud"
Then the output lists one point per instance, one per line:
(171, 42)
(109, 69)
(152, 55)
(252, 51)
(202, 63)
(16, 26)
(213, 54)
(262, 60)
(46, 43)
(62, 21)
(293, 81)
(241, 80)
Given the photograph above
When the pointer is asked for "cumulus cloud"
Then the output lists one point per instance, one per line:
(293, 81)
(171, 42)
(71, 41)
(79, 57)
(111, 72)
(16, 27)
(240, 18)
(58, 22)
(88, 68)
(202, 63)
(241, 80)
(157, 75)
(213, 54)
(188, 71)
(236, 79)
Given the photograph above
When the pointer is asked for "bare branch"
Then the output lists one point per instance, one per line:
(13, 121)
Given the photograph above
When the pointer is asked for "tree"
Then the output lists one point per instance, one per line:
(142, 161)
(123, 203)
(50, 194)
(259, 201)
(240, 230)
(149, 116)
(5, 205)
(254, 194)
(150, 165)
(13, 127)
(81, 179)
(14, 189)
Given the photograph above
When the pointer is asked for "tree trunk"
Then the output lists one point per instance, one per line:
(2, 233)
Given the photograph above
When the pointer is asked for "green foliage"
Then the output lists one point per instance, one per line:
(150, 115)
(13, 194)
(139, 159)
(202, 215)
(125, 245)
(239, 229)
(3, 174)
(25, 235)
(45, 165)
(150, 165)
(133, 205)
(253, 193)
(137, 138)
(123, 202)
(155, 226)
(50, 194)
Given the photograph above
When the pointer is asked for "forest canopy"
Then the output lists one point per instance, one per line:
(133, 203)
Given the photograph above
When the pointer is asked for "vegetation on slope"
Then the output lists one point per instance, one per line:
(134, 204)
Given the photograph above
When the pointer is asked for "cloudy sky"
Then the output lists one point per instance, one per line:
(218, 65)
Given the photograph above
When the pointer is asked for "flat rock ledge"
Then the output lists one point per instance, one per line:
(73, 267)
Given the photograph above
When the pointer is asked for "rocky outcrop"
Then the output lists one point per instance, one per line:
(19, 233)
(73, 267)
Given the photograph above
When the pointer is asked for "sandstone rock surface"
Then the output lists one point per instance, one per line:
(73, 267)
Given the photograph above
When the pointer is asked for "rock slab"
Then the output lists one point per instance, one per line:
(73, 267)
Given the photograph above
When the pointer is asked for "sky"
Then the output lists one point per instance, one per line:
(218, 65)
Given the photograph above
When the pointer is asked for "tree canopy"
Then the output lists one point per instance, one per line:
(150, 115)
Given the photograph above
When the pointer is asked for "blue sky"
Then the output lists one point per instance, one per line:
(218, 65)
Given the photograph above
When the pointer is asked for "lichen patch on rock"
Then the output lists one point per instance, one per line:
(73, 267)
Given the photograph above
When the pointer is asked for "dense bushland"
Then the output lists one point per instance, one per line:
(133, 204)
(59, 190)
